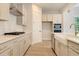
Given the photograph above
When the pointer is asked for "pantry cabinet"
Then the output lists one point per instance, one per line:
(4, 11)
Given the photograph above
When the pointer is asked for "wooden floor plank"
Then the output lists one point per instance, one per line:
(40, 49)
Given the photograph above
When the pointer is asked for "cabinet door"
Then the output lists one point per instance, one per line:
(4, 11)
(50, 17)
(64, 49)
(8, 52)
(72, 53)
(57, 47)
(44, 17)
(22, 47)
(57, 18)
(16, 48)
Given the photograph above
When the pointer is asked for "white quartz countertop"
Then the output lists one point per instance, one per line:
(73, 39)
(5, 38)
(67, 37)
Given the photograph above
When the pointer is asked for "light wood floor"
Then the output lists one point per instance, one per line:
(40, 49)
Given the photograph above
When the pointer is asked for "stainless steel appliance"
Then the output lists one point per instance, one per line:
(57, 28)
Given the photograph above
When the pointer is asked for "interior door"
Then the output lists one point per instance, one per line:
(37, 24)
(37, 32)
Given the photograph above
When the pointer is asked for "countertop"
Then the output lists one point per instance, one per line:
(66, 37)
(5, 38)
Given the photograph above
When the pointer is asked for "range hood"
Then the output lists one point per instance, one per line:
(15, 11)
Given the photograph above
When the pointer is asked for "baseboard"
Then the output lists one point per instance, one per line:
(54, 51)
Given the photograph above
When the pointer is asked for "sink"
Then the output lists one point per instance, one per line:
(14, 33)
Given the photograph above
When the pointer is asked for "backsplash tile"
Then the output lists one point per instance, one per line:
(10, 25)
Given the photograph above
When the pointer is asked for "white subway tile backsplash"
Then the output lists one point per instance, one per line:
(10, 25)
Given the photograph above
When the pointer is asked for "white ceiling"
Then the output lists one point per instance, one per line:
(52, 6)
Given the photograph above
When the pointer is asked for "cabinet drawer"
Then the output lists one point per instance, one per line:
(72, 53)
(73, 46)
(7, 52)
(3, 47)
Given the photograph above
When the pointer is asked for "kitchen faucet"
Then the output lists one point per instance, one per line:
(71, 25)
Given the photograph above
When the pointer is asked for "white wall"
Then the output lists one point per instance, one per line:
(68, 19)
(10, 25)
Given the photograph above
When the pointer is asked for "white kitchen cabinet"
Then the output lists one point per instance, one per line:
(57, 18)
(7, 52)
(44, 17)
(50, 17)
(6, 49)
(73, 49)
(72, 53)
(27, 41)
(60, 48)
(16, 47)
(57, 47)
(4, 11)
(47, 17)
(22, 47)
(64, 50)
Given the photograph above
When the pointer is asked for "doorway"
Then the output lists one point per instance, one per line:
(46, 32)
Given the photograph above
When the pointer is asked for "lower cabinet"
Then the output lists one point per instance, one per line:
(15, 47)
(63, 50)
(71, 49)
(72, 53)
(57, 47)
(8, 52)
(22, 47)
(60, 48)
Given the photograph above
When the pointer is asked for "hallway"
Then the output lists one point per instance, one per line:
(40, 49)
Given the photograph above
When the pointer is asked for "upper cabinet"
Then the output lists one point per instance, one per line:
(16, 9)
(47, 17)
(57, 18)
(4, 11)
